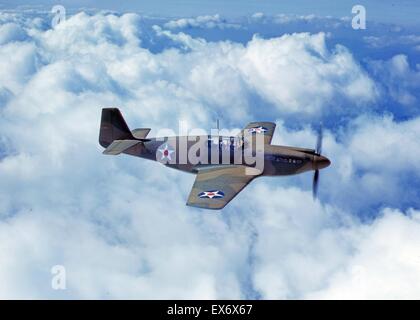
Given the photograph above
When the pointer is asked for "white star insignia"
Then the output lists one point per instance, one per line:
(166, 152)
(259, 129)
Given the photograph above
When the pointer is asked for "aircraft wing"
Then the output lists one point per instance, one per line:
(265, 128)
(215, 186)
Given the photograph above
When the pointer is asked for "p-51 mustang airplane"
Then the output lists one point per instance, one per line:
(219, 162)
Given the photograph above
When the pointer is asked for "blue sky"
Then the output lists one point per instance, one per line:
(401, 12)
(296, 64)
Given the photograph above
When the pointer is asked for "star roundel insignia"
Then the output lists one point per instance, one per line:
(259, 129)
(213, 194)
(164, 153)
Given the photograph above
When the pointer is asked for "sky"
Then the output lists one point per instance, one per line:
(119, 226)
(402, 12)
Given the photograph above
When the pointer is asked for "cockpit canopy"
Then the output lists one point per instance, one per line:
(226, 142)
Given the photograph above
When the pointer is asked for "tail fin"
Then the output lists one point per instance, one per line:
(113, 127)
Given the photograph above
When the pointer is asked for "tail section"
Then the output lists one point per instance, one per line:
(113, 127)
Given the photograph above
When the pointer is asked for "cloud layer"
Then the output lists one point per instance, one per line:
(120, 226)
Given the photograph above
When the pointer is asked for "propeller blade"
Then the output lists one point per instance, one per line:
(315, 184)
(319, 141)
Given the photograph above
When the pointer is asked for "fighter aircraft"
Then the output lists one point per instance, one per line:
(221, 163)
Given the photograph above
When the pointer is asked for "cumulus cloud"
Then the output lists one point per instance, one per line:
(120, 225)
(400, 80)
(275, 70)
(314, 251)
(385, 261)
(208, 22)
(388, 41)
(11, 32)
(263, 68)
(298, 73)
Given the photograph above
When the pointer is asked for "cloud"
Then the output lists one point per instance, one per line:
(262, 69)
(387, 250)
(269, 70)
(208, 22)
(19, 63)
(312, 251)
(388, 41)
(120, 225)
(278, 68)
(399, 80)
(11, 32)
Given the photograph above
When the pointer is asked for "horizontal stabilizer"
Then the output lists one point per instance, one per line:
(140, 133)
(118, 146)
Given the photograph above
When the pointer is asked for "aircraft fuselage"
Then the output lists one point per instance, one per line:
(178, 153)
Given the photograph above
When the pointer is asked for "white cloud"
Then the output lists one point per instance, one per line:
(399, 80)
(386, 263)
(18, 64)
(223, 76)
(305, 250)
(120, 225)
(11, 32)
(277, 69)
(208, 22)
(378, 139)
(389, 41)
(298, 73)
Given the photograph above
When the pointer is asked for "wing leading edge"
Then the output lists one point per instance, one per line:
(215, 187)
